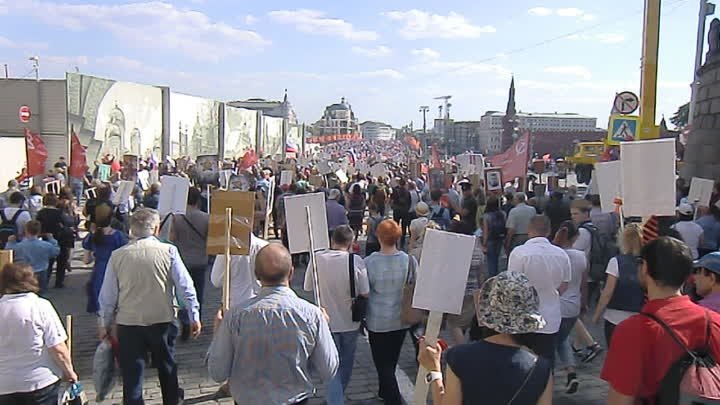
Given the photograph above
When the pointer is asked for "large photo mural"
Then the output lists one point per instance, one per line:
(194, 126)
(272, 137)
(240, 131)
(115, 118)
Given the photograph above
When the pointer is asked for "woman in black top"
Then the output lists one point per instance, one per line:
(498, 370)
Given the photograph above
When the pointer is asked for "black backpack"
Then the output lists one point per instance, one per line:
(8, 228)
(601, 251)
(496, 226)
(694, 379)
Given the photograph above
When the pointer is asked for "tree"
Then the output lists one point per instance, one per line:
(681, 116)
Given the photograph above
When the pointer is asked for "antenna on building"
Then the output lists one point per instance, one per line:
(446, 104)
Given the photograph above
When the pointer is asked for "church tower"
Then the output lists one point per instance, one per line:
(509, 121)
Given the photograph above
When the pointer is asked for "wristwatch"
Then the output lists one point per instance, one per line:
(432, 376)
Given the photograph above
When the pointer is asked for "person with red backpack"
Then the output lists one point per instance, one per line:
(667, 353)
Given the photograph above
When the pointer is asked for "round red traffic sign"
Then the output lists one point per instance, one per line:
(24, 114)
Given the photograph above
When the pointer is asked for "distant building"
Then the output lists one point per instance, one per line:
(464, 136)
(338, 119)
(377, 131)
(278, 109)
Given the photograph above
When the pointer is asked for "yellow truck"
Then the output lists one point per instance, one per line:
(584, 158)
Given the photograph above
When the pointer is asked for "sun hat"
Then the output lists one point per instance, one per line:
(422, 209)
(685, 209)
(508, 303)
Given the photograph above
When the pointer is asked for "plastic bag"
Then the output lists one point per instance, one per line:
(104, 369)
(73, 395)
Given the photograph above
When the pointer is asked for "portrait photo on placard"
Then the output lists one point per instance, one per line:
(493, 179)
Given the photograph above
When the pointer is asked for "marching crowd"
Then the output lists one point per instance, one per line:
(540, 263)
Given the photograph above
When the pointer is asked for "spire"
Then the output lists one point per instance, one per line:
(285, 97)
(510, 110)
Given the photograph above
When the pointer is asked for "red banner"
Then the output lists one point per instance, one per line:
(514, 161)
(78, 157)
(36, 153)
(248, 160)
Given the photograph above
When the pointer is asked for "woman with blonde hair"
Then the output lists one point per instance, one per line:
(622, 296)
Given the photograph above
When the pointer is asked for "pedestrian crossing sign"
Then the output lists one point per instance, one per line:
(622, 128)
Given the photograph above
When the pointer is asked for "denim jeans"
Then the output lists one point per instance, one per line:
(43, 396)
(564, 348)
(493, 256)
(42, 278)
(345, 342)
(135, 342)
(77, 188)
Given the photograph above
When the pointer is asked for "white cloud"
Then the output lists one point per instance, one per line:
(250, 19)
(10, 44)
(540, 11)
(315, 22)
(419, 24)
(588, 17)
(461, 68)
(151, 24)
(426, 53)
(382, 73)
(375, 52)
(67, 62)
(578, 71)
(569, 12)
(605, 38)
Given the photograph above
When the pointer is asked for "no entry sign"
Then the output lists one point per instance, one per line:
(24, 114)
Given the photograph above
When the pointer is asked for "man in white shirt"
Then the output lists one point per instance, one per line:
(548, 269)
(243, 283)
(580, 213)
(333, 267)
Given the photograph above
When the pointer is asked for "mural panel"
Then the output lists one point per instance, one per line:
(240, 130)
(194, 126)
(114, 118)
(272, 136)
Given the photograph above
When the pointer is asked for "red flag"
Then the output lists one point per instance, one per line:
(514, 161)
(249, 160)
(36, 153)
(436, 158)
(78, 157)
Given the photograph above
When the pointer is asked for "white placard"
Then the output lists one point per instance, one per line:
(122, 195)
(324, 167)
(647, 173)
(701, 191)
(341, 176)
(286, 177)
(173, 195)
(443, 271)
(378, 170)
(297, 222)
(607, 181)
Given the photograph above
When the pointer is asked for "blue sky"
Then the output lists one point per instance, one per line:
(386, 57)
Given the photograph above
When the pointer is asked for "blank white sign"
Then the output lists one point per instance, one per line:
(647, 172)
(297, 222)
(607, 180)
(443, 271)
(701, 191)
(286, 177)
(173, 195)
(122, 195)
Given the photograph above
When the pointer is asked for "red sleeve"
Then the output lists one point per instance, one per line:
(623, 368)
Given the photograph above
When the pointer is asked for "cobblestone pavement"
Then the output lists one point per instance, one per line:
(199, 388)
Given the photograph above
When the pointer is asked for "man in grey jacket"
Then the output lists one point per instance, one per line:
(138, 293)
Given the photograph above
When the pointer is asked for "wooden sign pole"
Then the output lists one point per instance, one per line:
(6, 257)
(316, 284)
(207, 189)
(226, 277)
(68, 329)
(431, 336)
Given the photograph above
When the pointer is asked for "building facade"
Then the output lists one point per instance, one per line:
(338, 119)
(464, 137)
(377, 131)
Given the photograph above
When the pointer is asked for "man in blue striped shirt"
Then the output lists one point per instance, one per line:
(266, 346)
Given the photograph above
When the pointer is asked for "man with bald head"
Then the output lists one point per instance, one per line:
(548, 269)
(265, 345)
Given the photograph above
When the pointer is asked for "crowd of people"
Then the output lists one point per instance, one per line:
(540, 262)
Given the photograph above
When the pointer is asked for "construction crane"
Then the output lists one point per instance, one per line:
(446, 106)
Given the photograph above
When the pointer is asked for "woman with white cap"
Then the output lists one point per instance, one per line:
(417, 229)
(692, 233)
(498, 370)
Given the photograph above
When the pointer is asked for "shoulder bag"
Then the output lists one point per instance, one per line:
(359, 303)
(408, 314)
